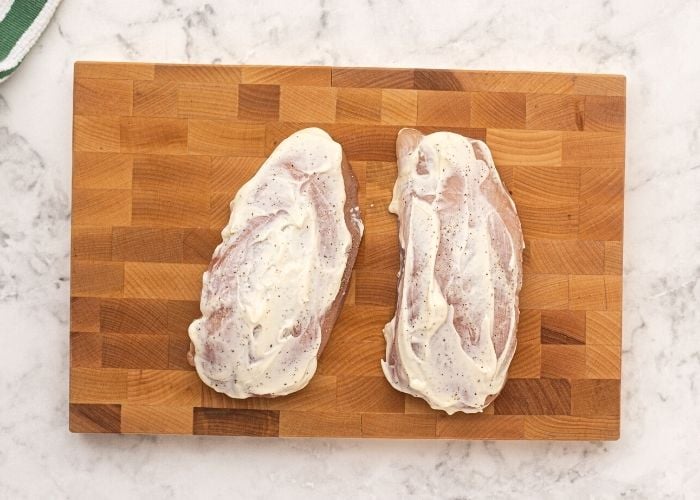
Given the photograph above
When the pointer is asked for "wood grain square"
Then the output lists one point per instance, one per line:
(368, 143)
(587, 292)
(317, 424)
(84, 314)
(222, 138)
(156, 419)
(207, 101)
(102, 97)
(398, 425)
(153, 135)
(318, 76)
(571, 428)
(358, 105)
(497, 110)
(601, 222)
(198, 73)
(564, 256)
(101, 207)
(563, 361)
(605, 113)
(224, 422)
(228, 174)
(91, 243)
(479, 426)
(258, 102)
(98, 385)
(381, 250)
(214, 399)
(164, 388)
(595, 397)
(514, 81)
(134, 351)
(507, 175)
(529, 325)
(181, 313)
(178, 347)
(601, 186)
(96, 133)
(613, 292)
(412, 404)
(603, 361)
(113, 70)
(375, 287)
(94, 418)
(160, 209)
(388, 78)
(133, 316)
(438, 79)
(85, 350)
(399, 107)
(593, 149)
(219, 210)
(163, 281)
(533, 148)
(308, 104)
(530, 396)
(318, 395)
(526, 361)
(368, 394)
(96, 279)
(559, 221)
(379, 179)
(359, 169)
(335, 361)
(141, 244)
(613, 257)
(199, 244)
(603, 327)
(545, 291)
(607, 85)
(350, 294)
(555, 112)
(563, 327)
(361, 323)
(546, 186)
(374, 198)
(155, 98)
(444, 108)
(172, 173)
(101, 170)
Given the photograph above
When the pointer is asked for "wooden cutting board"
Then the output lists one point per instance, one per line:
(160, 150)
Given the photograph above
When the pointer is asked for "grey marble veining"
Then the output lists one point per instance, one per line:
(651, 42)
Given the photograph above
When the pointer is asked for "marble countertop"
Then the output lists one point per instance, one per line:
(652, 44)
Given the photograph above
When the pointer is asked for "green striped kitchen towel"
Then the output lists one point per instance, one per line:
(21, 25)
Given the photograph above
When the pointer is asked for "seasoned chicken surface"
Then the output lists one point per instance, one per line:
(277, 281)
(453, 335)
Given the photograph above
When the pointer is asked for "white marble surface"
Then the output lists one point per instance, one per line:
(653, 43)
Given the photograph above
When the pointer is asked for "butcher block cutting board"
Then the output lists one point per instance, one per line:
(160, 150)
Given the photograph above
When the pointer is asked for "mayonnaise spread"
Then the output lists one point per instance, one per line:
(453, 335)
(276, 273)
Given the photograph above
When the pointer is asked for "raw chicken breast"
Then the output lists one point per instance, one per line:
(453, 335)
(276, 284)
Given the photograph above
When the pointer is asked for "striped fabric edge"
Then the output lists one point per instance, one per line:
(28, 21)
(4, 8)
(4, 75)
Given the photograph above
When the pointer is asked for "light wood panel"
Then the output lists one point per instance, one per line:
(159, 151)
